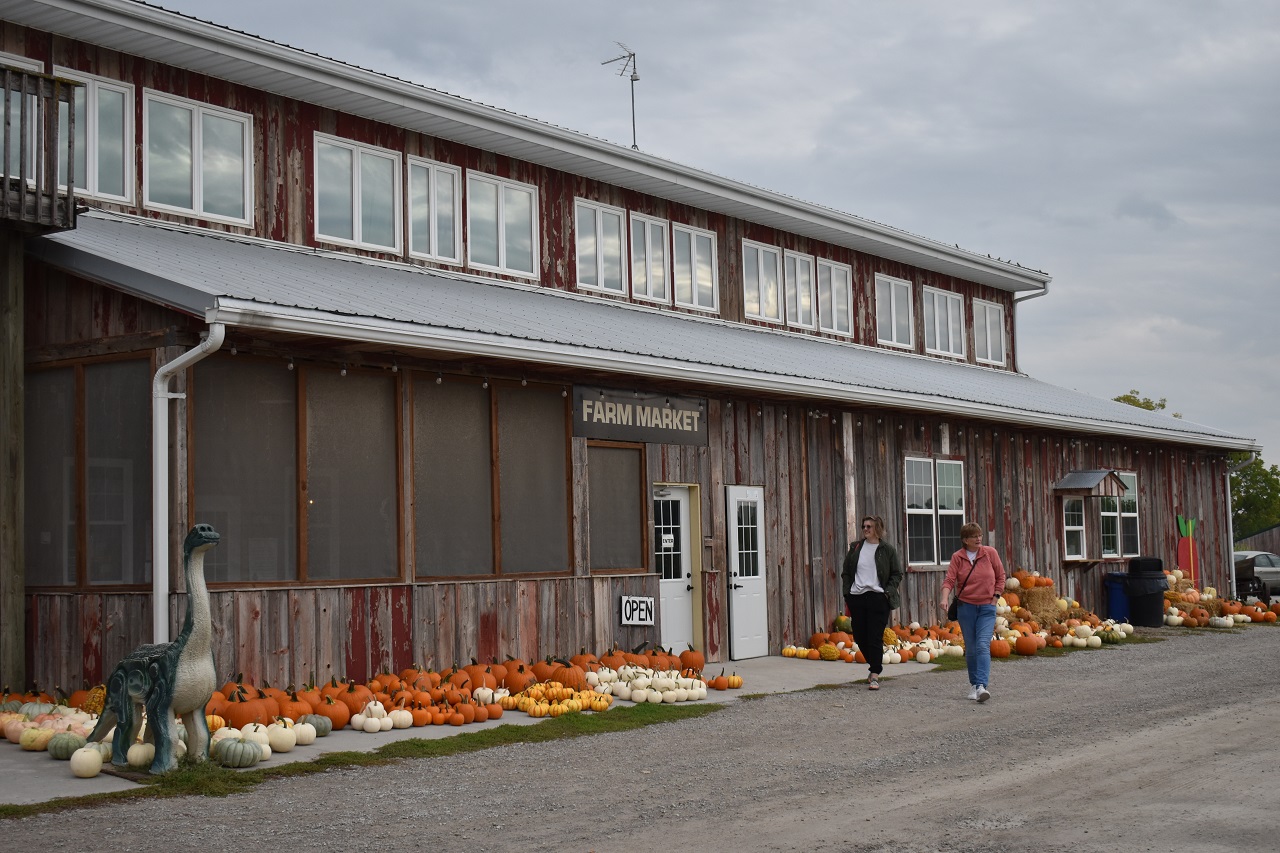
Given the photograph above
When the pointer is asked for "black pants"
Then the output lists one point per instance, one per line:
(869, 612)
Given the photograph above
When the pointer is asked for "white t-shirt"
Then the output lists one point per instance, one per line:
(972, 555)
(866, 578)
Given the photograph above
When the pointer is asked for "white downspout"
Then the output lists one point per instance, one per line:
(1017, 300)
(1231, 511)
(160, 397)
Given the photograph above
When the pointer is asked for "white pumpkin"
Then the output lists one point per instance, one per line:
(923, 657)
(384, 723)
(369, 725)
(375, 709)
(1093, 642)
(266, 750)
(357, 722)
(256, 732)
(484, 695)
(621, 689)
(1084, 631)
(402, 719)
(655, 697)
(141, 755)
(86, 762)
(304, 733)
(669, 696)
(281, 739)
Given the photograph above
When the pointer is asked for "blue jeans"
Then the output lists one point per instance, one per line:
(977, 623)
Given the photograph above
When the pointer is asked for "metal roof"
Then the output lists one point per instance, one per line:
(149, 31)
(1085, 482)
(255, 283)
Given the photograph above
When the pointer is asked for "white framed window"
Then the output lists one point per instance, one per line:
(835, 297)
(934, 497)
(104, 137)
(502, 225)
(650, 264)
(1109, 510)
(988, 332)
(694, 263)
(197, 159)
(598, 231)
(13, 168)
(1073, 528)
(761, 271)
(893, 312)
(1129, 515)
(357, 194)
(435, 211)
(943, 322)
(797, 277)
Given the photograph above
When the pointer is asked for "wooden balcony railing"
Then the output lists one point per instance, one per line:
(31, 198)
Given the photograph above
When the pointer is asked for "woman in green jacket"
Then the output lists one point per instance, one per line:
(869, 581)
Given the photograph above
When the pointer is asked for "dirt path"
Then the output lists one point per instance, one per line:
(1156, 747)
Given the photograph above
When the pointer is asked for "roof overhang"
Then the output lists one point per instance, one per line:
(1091, 484)
(168, 37)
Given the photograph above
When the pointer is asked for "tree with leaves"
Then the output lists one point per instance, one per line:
(1255, 496)
(1255, 488)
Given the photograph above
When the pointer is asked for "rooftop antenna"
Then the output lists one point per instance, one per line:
(628, 61)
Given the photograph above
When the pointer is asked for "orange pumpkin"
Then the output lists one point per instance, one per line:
(1024, 645)
(1000, 648)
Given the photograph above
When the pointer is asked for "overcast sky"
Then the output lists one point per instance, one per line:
(1128, 149)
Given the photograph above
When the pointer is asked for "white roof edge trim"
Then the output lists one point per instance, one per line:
(332, 72)
(248, 314)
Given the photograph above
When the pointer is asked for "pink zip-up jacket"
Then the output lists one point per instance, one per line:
(987, 580)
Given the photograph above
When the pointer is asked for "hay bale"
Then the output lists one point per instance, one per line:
(1042, 602)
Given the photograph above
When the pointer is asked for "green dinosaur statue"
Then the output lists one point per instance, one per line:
(167, 678)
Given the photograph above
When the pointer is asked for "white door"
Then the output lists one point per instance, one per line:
(671, 557)
(748, 598)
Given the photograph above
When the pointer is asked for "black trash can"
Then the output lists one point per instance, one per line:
(1145, 587)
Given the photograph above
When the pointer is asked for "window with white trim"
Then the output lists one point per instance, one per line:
(1129, 515)
(14, 120)
(435, 211)
(357, 194)
(197, 159)
(934, 496)
(797, 277)
(760, 282)
(502, 225)
(1109, 511)
(104, 137)
(601, 257)
(835, 297)
(696, 278)
(943, 322)
(988, 332)
(650, 270)
(1073, 528)
(893, 311)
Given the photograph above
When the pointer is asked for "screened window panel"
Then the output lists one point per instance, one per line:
(170, 155)
(49, 516)
(640, 284)
(949, 534)
(112, 126)
(245, 469)
(751, 281)
(706, 277)
(615, 507)
(683, 267)
(445, 221)
(1110, 536)
(611, 250)
(980, 323)
(588, 270)
(920, 540)
(950, 486)
(377, 200)
(222, 171)
(919, 484)
(1129, 536)
(1075, 543)
(351, 476)
(902, 314)
(1073, 512)
(532, 480)
(453, 485)
(118, 476)
(658, 261)
(335, 191)
(517, 226)
(482, 207)
(420, 210)
(930, 323)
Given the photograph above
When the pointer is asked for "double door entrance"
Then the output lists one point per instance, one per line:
(680, 608)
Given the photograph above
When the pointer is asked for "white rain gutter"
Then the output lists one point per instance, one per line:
(306, 321)
(160, 397)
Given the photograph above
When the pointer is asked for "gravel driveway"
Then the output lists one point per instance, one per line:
(1165, 746)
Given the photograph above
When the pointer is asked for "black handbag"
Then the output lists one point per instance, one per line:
(953, 609)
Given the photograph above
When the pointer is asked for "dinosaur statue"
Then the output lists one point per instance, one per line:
(167, 678)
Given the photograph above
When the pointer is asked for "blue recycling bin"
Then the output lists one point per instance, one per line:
(1116, 587)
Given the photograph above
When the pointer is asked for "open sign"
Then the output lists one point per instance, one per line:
(636, 610)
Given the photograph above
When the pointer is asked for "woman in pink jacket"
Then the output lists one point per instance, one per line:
(978, 574)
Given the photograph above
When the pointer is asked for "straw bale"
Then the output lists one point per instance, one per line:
(1042, 602)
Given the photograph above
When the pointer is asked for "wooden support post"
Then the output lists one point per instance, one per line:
(12, 558)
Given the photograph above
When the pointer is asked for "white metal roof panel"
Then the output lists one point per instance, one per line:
(260, 283)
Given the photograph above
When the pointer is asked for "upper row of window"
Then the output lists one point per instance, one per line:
(197, 161)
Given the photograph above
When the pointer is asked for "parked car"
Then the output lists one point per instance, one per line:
(1257, 573)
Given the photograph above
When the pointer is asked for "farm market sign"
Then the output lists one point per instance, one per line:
(637, 416)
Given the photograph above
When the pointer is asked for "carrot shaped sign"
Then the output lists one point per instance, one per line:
(1187, 549)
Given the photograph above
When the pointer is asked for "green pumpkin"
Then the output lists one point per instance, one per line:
(63, 744)
(1109, 637)
(842, 623)
(35, 709)
(11, 705)
(323, 724)
(237, 752)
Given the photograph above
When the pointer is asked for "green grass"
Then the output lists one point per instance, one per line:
(207, 779)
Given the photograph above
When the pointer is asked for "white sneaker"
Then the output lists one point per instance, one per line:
(981, 693)
(973, 692)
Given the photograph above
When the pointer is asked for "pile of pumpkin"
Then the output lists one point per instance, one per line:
(913, 642)
(1188, 607)
(37, 722)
